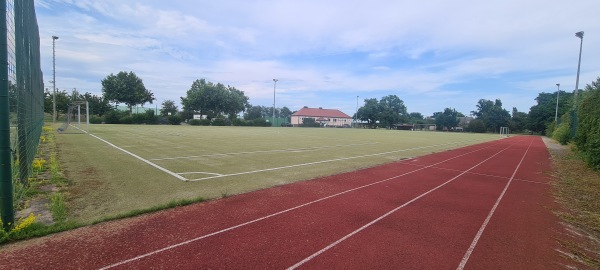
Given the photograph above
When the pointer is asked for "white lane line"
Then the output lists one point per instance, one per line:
(293, 150)
(320, 162)
(305, 260)
(277, 213)
(465, 258)
(140, 158)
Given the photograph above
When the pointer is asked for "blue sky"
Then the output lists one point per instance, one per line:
(433, 54)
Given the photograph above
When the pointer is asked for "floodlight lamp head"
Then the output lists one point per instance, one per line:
(558, 84)
(54, 37)
(275, 80)
(579, 34)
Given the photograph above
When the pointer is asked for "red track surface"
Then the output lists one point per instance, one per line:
(486, 206)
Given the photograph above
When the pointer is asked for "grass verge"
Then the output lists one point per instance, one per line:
(578, 192)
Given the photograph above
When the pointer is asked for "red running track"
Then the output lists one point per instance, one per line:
(486, 206)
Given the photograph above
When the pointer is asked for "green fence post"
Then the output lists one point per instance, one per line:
(6, 185)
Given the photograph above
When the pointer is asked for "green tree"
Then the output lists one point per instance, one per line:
(518, 121)
(392, 111)
(416, 118)
(63, 99)
(492, 114)
(213, 100)
(286, 113)
(447, 119)
(126, 87)
(98, 104)
(477, 126)
(542, 114)
(168, 108)
(369, 112)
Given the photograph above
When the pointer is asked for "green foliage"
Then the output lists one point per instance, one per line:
(58, 207)
(447, 119)
(259, 122)
(550, 129)
(388, 111)
(194, 122)
(199, 122)
(221, 122)
(518, 121)
(492, 114)
(114, 116)
(477, 126)
(95, 119)
(126, 87)
(562, 133)
(309, 122)
(588, 129)
(213, 100)
(127, 120)
(174, 119)
(238, 122)
(542, 114)
(369, 112)
(168, 108)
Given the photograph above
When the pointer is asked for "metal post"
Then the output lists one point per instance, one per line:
(6, 184)
(356, 113)
(574, 114)
(54, 38)
(274, 85)
(556, 111)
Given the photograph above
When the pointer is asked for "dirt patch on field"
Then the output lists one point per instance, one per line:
(577, 190)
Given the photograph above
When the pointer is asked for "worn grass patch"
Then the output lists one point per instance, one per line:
(578, 191)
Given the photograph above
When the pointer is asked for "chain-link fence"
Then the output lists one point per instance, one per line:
(21, 98)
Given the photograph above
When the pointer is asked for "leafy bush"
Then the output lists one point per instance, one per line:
(588, 130)
(562, 134)
(113, 117)
(95, 119)
(194, 122)
(259, 122)
(138, 118)
(126, 120)
(205, 122)
(238, 122)
(150, 118)
(551, 128)
(477, 126)
(221, 122)
(174, 119)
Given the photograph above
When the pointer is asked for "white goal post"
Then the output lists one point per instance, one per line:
(504, 131)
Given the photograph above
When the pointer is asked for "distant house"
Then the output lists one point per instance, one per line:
(326, 117)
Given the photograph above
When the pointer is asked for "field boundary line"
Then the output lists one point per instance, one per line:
(199, 173)
(278, 213)
(138, 157)
(293, 150)
(469, 251)
(300, 263)
(320, 162)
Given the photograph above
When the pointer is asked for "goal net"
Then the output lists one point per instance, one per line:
(424, 127)
(72, 124)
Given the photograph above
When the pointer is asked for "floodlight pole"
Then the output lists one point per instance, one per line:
(574, 118)
(54, 38)
(556, 111)
(356, 112)
(274, 86)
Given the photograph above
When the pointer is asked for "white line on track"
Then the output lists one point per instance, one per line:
(278, 213)
(293, 150)
(320, 162)
(465, 258)
(305, 260)
(138, 157)
(199, 173)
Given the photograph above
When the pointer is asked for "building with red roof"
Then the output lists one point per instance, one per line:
(326, 117)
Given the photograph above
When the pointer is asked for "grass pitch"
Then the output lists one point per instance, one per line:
(221, 161)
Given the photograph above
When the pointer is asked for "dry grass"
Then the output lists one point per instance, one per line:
(577, 189)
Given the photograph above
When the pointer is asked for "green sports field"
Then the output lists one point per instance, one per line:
(120, 168)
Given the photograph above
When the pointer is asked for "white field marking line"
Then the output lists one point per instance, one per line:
(319, 162)
(140, 158)
(276, 214)
(387, 214)
(199, 173)
(465, 258)
(293, 150)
